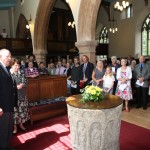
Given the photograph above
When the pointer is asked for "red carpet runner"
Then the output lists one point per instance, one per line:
(53, 134)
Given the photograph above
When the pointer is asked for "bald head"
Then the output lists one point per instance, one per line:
(5, 57)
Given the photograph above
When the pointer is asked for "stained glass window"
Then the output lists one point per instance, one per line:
(129, 11)
(146, 36)
(103, 37)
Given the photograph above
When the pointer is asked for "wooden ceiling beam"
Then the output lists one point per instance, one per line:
(106, 6)
(146, 2)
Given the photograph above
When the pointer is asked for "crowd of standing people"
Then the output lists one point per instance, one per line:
(126, 78)
(121, 77)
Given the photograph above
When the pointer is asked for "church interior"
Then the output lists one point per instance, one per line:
(54, 31)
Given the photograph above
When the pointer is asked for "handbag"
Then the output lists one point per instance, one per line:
(81, 85)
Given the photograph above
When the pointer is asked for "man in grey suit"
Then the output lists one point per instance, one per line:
(8, 100)
(142, 74)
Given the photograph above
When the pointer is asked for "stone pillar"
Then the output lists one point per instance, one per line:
(87, 48)
(40, 56)
(12, 23)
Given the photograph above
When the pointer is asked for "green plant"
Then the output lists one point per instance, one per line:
(92, 93)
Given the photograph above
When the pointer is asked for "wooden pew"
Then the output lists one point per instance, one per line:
(46, 88)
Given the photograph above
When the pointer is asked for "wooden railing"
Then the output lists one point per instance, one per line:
(17, 46)
(24, 46)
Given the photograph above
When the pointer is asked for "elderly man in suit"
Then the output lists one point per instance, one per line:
(8, 99)
(142, 74)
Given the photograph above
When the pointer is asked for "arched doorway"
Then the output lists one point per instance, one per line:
(61, 32)
(86, 27)
(22, 32)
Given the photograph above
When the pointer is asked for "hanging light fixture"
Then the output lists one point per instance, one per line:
(28, 26)
(67, 1)
(72, 24)
(120, 7)
(113, 25)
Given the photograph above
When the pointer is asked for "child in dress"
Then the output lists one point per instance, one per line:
(108, 81)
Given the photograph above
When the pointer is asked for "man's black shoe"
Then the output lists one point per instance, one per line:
(12, 148)
(144, 108)
(138, 106)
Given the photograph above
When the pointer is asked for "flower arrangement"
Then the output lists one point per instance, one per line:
(92, 93)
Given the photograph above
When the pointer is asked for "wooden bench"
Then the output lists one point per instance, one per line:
(46, 88)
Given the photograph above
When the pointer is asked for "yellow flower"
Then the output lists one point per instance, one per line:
(86, 86)
(92, 93)
(88, 90)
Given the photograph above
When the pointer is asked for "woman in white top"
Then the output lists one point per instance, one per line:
(124, 76)
(108, 81)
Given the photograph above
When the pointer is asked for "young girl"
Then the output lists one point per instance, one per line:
(108, 81)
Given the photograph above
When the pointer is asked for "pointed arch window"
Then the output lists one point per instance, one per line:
(103, 37)
(146, 37)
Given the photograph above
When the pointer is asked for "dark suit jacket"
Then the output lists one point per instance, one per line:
(88, 71)
(8, 91)
(145, 73)
(69, 72)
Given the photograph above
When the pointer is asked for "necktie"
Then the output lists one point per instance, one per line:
(65, 71)
(59, 71)
(84, 68)
(141, 67)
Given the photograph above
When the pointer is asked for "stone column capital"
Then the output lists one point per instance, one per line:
(40, 52)
(87, 48)
(40, 55)
(86, 43)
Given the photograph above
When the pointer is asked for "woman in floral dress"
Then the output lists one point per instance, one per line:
(124, 76)
(21, 113)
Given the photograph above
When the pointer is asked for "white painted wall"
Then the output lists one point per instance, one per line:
(128, 38)
(27, 8)
(4, 21)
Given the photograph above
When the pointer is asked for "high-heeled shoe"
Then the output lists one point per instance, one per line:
(127, 109)
(23, 129)
(14, 131)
